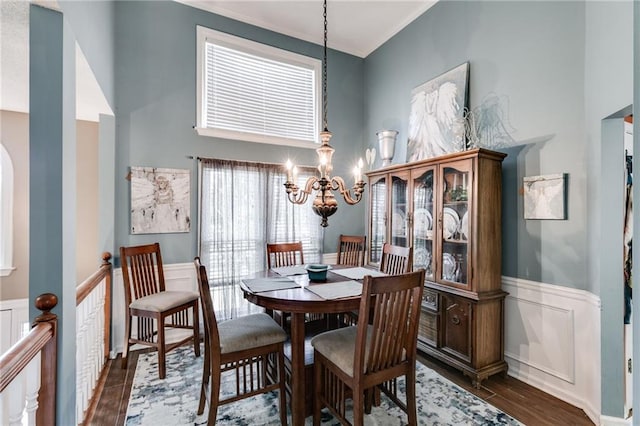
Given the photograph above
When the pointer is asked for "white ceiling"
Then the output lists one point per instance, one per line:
(357, 27)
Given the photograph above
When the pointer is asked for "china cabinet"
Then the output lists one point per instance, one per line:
(449, 210)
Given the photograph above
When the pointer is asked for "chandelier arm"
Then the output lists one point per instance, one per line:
(337, 184)
(298, 196)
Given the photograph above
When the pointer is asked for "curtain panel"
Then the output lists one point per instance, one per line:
(243, 206)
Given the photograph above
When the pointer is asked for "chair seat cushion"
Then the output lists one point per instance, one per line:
(339, 347)
(163, 301)
(249, 332)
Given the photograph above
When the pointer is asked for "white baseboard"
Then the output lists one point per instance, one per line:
(547, 328)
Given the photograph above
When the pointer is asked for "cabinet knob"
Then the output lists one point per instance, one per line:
(455, 320)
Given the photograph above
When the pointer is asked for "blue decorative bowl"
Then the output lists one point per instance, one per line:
(317, 272)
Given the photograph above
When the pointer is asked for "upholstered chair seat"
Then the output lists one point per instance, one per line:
(160, 302)
(249, 332)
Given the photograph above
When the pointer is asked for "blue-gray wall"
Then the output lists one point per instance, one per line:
(531, 55)
(92, 23)
(52, 188)
(155, 87)
(558, 68)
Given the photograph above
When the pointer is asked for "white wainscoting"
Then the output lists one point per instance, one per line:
(14, 321)
(552, 341)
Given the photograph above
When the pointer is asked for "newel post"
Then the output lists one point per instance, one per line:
(46, 413)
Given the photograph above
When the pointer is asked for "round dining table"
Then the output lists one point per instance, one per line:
(299, 301)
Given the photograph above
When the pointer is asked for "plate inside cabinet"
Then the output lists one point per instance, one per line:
(464, 226)
(398, 222)
(423, 222)
(422, 258)
(450, 223)
(448, 267)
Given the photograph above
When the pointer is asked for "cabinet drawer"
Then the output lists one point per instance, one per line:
(430, 299)
(428, 327)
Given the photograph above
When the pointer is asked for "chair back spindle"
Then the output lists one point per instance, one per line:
(396, 260)
(284, 254)
(351, 250)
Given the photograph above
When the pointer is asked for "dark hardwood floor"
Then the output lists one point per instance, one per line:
(529, 405)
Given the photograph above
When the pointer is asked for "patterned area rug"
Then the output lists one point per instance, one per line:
(174, 400)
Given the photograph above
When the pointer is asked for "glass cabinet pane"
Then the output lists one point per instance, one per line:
(456, 182)
(399, 198)
(378, 194)
(423, 221)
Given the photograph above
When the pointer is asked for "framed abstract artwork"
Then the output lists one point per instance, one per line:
(544, 197)
(436, 121)
(160, 200)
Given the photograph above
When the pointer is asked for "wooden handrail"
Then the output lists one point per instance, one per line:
(84, 289)
(103, 274)
(41, 337)
(87, 286)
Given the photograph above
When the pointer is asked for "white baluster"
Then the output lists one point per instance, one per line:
(33, 387)
(15, 399)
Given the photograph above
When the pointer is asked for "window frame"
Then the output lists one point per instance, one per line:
(6, 214)
(205, 35)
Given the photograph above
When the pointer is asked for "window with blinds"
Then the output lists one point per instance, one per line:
(254, 92)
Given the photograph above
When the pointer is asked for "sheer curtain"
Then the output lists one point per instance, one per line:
(242, 207)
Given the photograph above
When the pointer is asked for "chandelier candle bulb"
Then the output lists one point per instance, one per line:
(289, 173)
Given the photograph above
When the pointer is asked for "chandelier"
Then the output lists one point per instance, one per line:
(325, 203)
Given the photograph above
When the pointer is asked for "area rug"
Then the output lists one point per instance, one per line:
(174, 400)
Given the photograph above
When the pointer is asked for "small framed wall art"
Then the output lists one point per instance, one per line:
(160, 200)
(545, 197)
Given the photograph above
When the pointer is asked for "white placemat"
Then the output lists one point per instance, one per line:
(358, 273)
(286, 271)
(258, 285)
(336, 290)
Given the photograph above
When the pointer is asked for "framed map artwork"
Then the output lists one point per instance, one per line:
(544, 197)
(160, 200)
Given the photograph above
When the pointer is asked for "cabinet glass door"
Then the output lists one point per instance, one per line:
(399, 209)
(378, 200)
(455, 221)
(422, 220)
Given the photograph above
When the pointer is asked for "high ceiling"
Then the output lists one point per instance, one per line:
(357, 27)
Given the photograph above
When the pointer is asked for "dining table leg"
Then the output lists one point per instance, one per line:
(297, 369)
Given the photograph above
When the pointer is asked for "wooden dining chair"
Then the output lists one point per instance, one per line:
(353, 361)
(351, 250)
(396, 259)
(249, 348)
(284, 254)
(155, 308)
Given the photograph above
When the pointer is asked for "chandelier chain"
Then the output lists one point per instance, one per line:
(324, 73)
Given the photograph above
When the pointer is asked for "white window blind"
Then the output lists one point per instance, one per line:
(251, 91)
